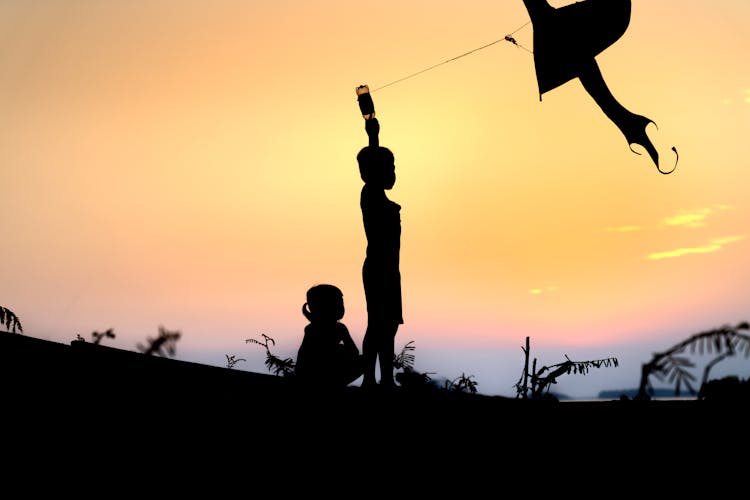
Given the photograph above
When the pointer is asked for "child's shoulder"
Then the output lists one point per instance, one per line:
(342, 330)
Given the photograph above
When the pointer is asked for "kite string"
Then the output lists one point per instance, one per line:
(507, 38)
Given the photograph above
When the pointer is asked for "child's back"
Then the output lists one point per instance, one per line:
(328, 355)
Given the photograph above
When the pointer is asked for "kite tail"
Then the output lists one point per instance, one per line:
(634, 129)
(632, 126)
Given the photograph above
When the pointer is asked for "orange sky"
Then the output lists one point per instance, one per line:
(192, 164)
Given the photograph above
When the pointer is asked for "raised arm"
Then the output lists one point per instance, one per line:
(372, 127)
(367, 108)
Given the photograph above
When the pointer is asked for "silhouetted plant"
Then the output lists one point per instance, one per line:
(724, 341)
(163, 345)
(10, 320)
(276, 365)
(536, 385)
(108, 334)
(405, 358)
(97, 337)
(232, 360)
(463, 383)
(410, 378)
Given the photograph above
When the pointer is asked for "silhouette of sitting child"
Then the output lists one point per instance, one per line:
(327, 357)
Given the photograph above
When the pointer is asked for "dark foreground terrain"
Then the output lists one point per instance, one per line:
(93, 405)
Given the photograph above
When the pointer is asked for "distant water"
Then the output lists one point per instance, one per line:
(657, 398)
(658, 393)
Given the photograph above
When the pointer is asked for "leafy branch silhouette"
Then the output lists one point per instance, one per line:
(107, 334)
(232, 360)
(536, 385)
(464, 383)
(10, 320)
(276, 365)
(164, 345)
(405, 358)
(409, 377)
(724, 341)
(97, 336)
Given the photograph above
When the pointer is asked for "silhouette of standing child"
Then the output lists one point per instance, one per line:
(327, 357)
(381, 276)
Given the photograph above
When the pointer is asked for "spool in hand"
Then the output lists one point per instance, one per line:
(366, 106)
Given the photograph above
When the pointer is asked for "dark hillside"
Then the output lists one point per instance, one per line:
(115, 399)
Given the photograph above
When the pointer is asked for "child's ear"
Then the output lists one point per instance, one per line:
(306, 311)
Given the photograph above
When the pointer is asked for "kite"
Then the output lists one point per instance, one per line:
(566, 42)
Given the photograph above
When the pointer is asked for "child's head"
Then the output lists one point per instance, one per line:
(377, 166)
(324, 303)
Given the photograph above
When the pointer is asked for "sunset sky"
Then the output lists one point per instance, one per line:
(191, 164)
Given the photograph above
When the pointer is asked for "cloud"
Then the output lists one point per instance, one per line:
(694, 218)
(685, 218)
(683, 251)
(728, 239)
(714, 245)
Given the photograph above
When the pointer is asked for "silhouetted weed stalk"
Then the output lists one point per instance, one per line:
(410, 378)
(405, 358)
(9, 319)
(232, 360)
(276, 365)
(464, 383)
(535, 384)
(163, 345)
(724, 341)
(96, 337)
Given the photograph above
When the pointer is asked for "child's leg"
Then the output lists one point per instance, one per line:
(386, 352)
(369, 355)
